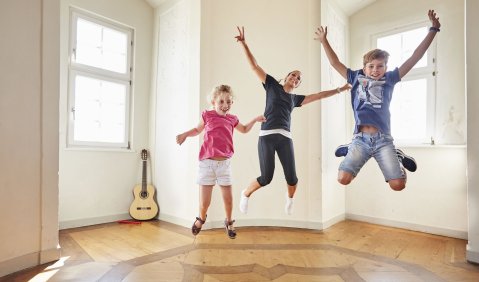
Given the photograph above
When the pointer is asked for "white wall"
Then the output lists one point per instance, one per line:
(29, 126)
(279, 46)
(334, 112)
(177, 30)
(435, 197)
(96, 185)
(472, 67)
(280, 43)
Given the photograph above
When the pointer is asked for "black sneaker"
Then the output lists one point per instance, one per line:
(230, 230)
(341, 150)
(408, 162)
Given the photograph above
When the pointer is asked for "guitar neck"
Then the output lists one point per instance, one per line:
(143, 177)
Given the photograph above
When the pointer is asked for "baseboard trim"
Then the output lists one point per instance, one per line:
(50, 255)
(410, 226)
(18, 263)
(314, 225)
(92, 221)
(472, 256)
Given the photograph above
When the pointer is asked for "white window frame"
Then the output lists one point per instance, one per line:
(428, 72)
(76, 69)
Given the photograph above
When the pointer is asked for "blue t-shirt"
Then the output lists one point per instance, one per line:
(371, 98)
(279, 105)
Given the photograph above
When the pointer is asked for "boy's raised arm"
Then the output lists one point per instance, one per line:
(423, 46)
(332, 57)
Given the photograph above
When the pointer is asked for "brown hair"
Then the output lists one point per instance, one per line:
(279, 81)
(376, 54)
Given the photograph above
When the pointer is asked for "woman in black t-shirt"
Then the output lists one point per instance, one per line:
(275, 134)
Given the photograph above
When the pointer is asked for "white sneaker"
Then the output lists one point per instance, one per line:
(243, 206)
(288, 208)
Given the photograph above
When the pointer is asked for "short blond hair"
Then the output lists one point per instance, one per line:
(376, 54)
(220, 90)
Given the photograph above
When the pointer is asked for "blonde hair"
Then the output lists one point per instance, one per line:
(376, 54)
(218, 91)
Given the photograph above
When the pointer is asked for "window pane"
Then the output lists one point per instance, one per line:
(100, 108)
(101, 47)
(408, 110)
(401, 46)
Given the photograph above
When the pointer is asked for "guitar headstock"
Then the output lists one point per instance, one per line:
(144, 154)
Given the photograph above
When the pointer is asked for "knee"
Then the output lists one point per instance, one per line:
(397, 184)
(344, 181)
(292, 182)
(263, 181)
(345, 178)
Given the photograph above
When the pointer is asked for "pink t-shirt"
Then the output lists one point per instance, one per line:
(218, 138)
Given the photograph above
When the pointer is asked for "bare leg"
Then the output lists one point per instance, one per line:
(291, 190)
(205, 200)
(252, 188)
(227, 200)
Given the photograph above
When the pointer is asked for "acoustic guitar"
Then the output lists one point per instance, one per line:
(144, 206)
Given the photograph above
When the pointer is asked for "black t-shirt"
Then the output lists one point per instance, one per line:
(279, 105)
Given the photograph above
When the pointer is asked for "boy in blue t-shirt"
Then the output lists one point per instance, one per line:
(371, 93)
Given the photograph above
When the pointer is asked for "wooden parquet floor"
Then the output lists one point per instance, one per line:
(160, 251)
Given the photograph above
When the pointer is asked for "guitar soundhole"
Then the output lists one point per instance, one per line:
(144, 195)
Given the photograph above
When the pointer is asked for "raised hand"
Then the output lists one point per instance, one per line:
(434, 19)
(321, 33)
(240, 37)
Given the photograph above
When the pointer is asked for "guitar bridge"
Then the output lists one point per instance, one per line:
(143, 208)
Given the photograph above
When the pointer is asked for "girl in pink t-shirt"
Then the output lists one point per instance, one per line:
(215, 153)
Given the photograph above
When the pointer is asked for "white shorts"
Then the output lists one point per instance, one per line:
(211, 172)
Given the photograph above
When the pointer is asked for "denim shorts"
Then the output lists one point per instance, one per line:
(211, 172)
(377, 145)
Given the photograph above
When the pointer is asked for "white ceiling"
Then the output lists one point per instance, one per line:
(155, 3)
(348, 6)
(352, 6)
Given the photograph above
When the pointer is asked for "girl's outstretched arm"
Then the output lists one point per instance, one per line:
(324, 94)
(180, 138)
(245, 128)
(251, 60)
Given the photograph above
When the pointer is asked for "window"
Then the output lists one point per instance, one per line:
(99, 82)
(413, 105)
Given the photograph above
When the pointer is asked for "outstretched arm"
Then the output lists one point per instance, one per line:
(180, 138)
(332, 57)
(423, 46)
(251, 60)
(324, 94)
(245, 128)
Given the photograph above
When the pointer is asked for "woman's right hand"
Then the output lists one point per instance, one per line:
(240, 37)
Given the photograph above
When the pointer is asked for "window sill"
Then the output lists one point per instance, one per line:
(421, 146)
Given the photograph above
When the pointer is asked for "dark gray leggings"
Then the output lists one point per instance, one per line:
(267, 146)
